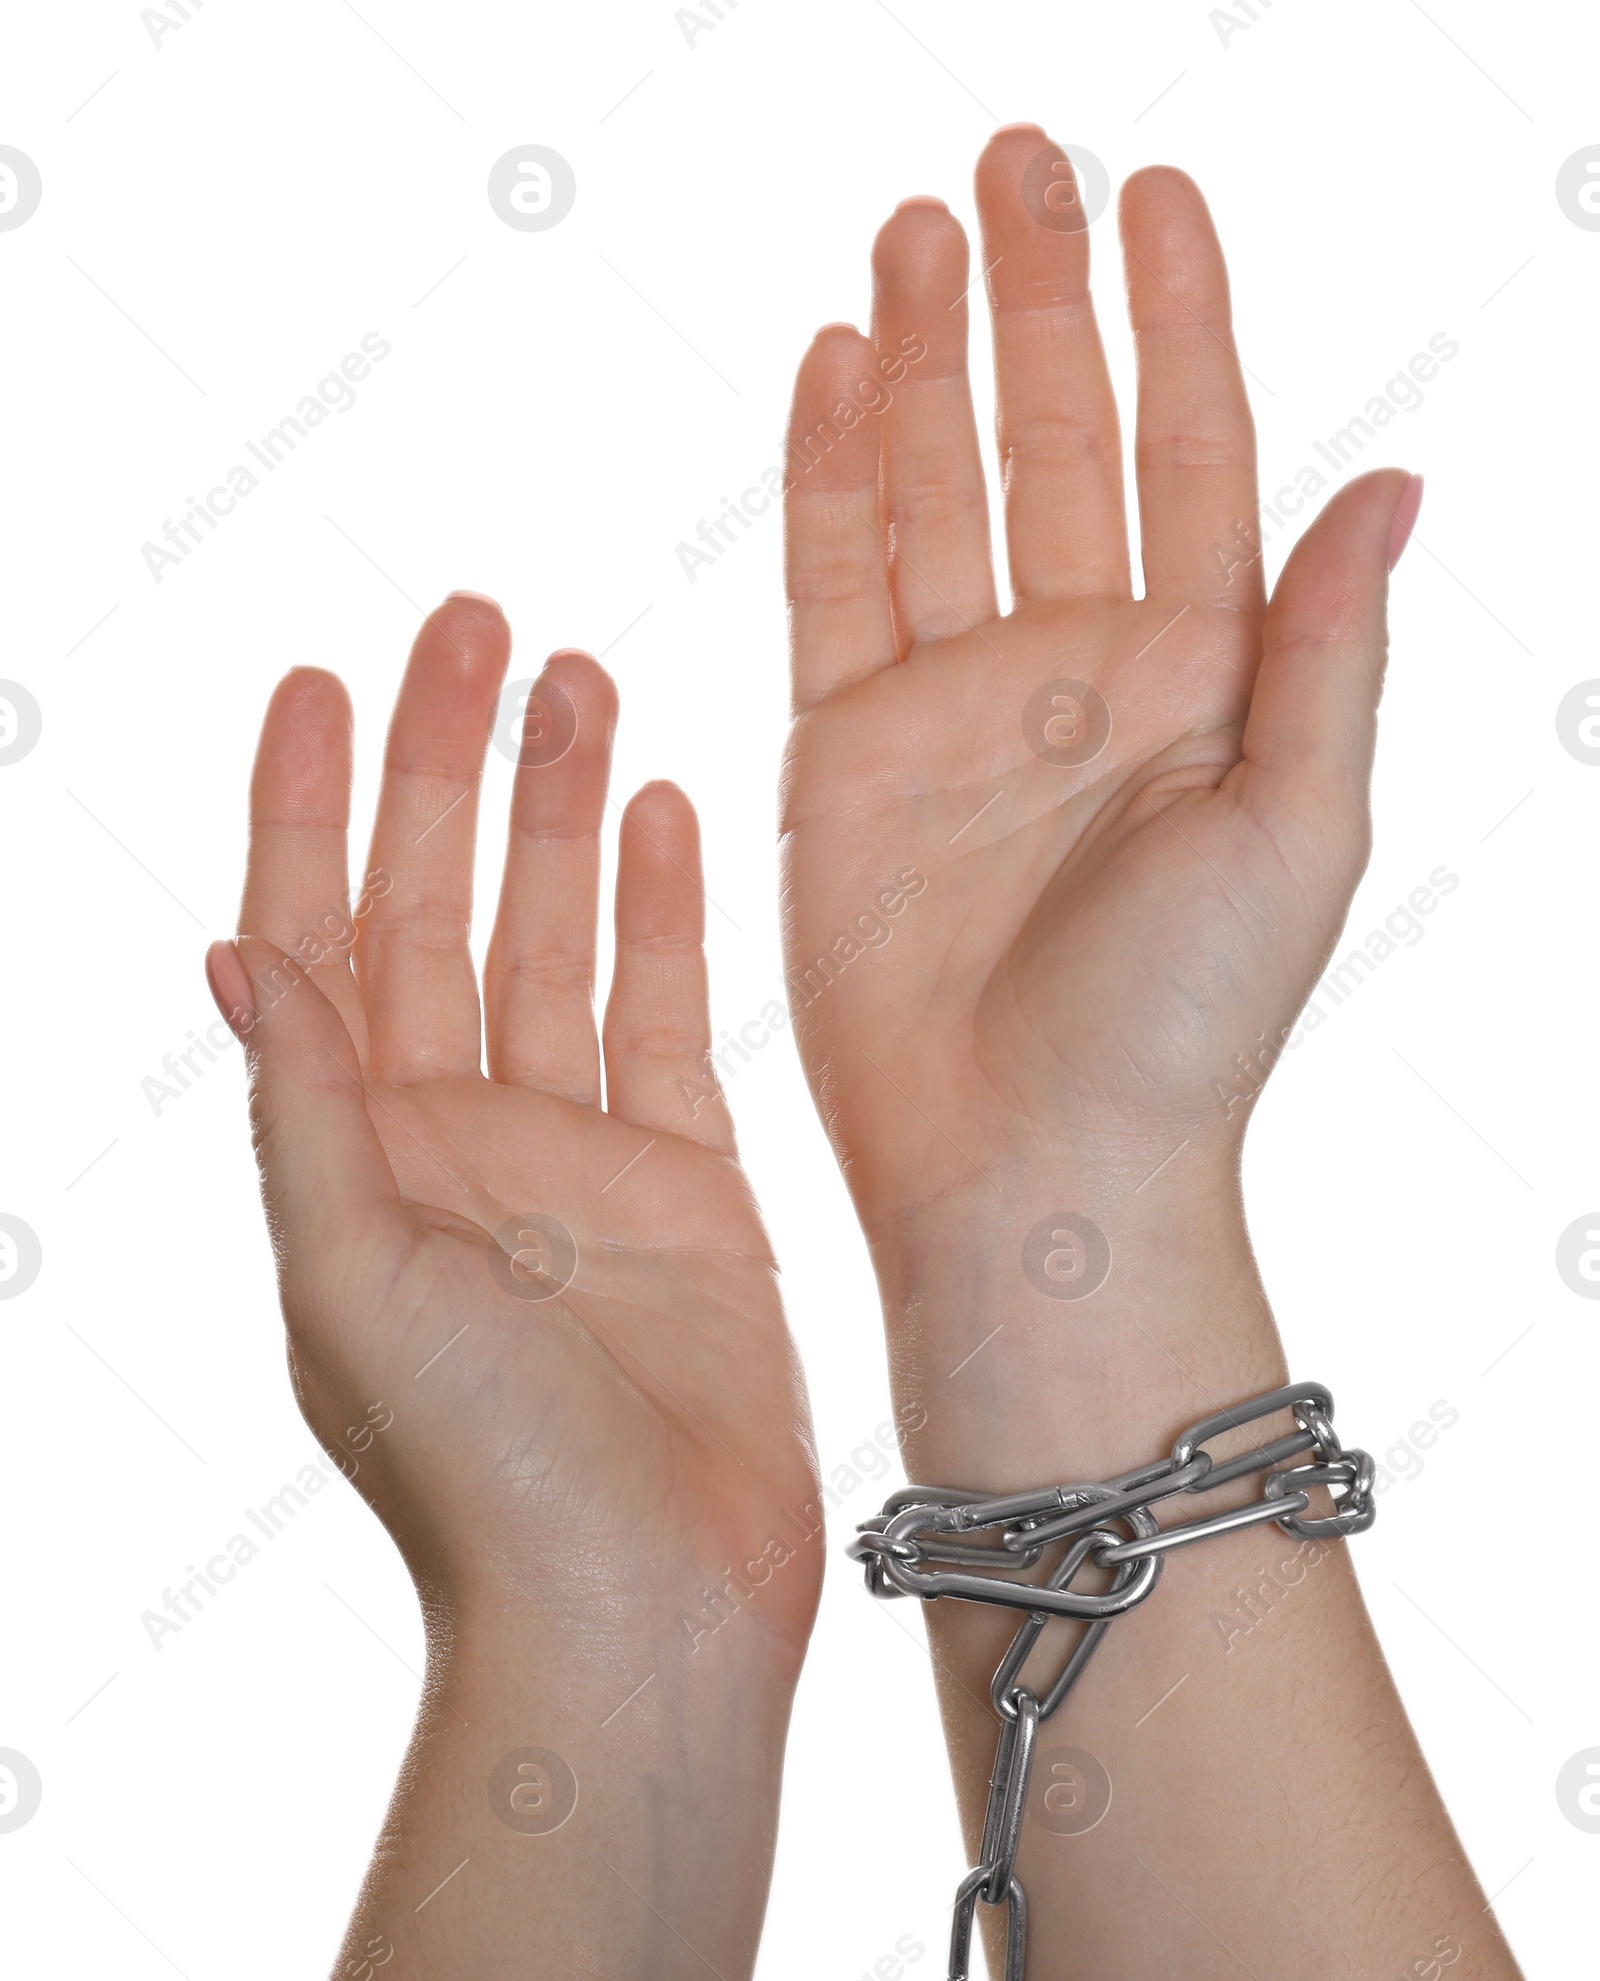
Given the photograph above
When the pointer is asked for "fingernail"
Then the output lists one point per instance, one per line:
(478, 598)
(1405, 519)
(230, 986)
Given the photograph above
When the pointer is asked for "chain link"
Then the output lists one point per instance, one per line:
(1103, 1524)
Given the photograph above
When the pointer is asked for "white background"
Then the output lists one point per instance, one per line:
(224, 219)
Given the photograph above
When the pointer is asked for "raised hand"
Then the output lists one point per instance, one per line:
(1139, 820)
(1057, 883)
(593, 1447)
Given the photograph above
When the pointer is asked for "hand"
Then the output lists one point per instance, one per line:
(1124, 889)
(551, 1328)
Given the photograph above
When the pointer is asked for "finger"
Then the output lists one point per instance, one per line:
(297, 881)
(658, 1018)
(539, 978)
(933, 493)
(1060, 454)
(325, 1179)
(1313, 718)
(836, 562)
(412, 959)
(1195, 447)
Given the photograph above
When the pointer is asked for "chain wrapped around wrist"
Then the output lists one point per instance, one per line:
(919, 1546)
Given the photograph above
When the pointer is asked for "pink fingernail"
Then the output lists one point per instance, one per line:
(1405, 519)
(230, 986)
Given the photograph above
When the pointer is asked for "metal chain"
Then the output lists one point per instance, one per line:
(919, 1546)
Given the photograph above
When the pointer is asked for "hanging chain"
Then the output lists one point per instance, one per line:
(918, 1546)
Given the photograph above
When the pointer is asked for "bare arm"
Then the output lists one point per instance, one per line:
(1058, 883)
(565, 1315)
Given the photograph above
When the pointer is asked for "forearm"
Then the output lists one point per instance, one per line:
(1270, 1811)
(574, 1803)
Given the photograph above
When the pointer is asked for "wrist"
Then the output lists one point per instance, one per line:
(623, 1710)
(737, 1595)
(709, 1640)
(1048, 1328)
(572, 1786)
(688, 1640)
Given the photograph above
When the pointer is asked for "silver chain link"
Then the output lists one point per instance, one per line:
(919, 1546)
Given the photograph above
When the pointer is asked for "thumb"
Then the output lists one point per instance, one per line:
(1314, 713)
(325, 1179)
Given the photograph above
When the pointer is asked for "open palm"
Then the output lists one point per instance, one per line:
(1068, 872)
(562, 1319)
